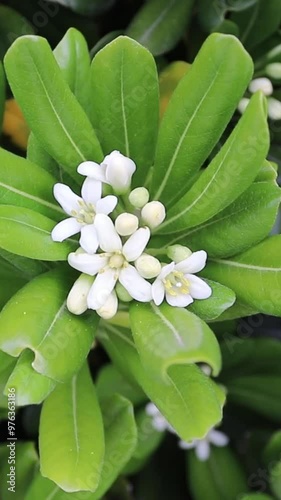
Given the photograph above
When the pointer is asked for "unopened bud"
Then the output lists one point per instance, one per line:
(243, 105)
(274, 70)
(122, 293)
(77, 297)
(119, 171)
(109, 309)
(126, 224)
(263, 84)
(148, 266)
(177, 253)
(153, 214)
(274, 109)
(139, 197)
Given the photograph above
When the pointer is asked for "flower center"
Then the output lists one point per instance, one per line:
(176, 284)
(85, 214)
(116, 261)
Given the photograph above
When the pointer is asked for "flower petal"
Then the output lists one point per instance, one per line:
(198, 288)
(88, 264)
(109, 309)
(187, 445)
(137, 287)
(91, 190)
(151, 409)
(106, 205)
(202, 450)
(181, 300)
(102, 288)
(193, 264)
(136, 244)
(108, 238)
(93, 170)
(218, 438)
(158, 291)
(66, 198)
(65, 229)
(166, 270)
(89, 239)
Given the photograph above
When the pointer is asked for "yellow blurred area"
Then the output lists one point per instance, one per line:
(168, 80)
(14, 125)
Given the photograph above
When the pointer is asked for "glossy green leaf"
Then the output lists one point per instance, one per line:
(272, 450)
(51, 110)
(25, 185)
(209, 309)
(212, 14)
(86, 7)
(165, 336)
(120, 440)
(198, 113)
(26, 463)
(159, 26)
(220, 184)
(36, 318)
(20, 267)
(7, 364)
(12, 25)
(2, 92)
(73, 58)
(148, 441)
(255, 275)
(238, 310)
(33, 231)
(219, 477)
(275, 480)
(71, 440)
(110, 381)
(37, 154)
(256, 496)
(267, 173)
(31, 387)
(244, 223)
(184, 391)
(125, 102)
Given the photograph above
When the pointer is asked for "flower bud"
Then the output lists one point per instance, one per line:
(139, 197)
(153, 213)
(243, 105)
(126, 224)
(148, 266)
(177, 253)
(109, 309)
(77, 297)
(119, 171)
(122, 293)
(274, 109)
(274, 70)
(263, 84)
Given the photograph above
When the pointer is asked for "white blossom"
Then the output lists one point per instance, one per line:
(263, 84)
(159, 423)
(113, 264)
(202, 447)
(116, 170)
(274, 108)
(153, 214)
(274, 70)
(178, 283)
(148, 266)
(139, 197)
(82, 212)
(77, 297)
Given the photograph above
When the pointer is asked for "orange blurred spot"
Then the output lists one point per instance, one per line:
(14, 124)
(168, 81)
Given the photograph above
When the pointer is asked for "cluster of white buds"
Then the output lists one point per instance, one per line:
(113, 256)
(265, 85)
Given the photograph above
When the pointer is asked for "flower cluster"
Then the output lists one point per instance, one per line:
(114, 233)
(265, 85)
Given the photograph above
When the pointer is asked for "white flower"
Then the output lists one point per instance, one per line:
(148, 266)
(153, 214)
(159, 423)
(113, 264)
(243, 104)
(126, 224)
(274, 70)
(82, 212)
(139, 197)
(116, 170)
(178, 283)
(202, 447)
(263, 84)
(274, 108)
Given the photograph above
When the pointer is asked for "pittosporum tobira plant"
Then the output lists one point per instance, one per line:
(170, 233)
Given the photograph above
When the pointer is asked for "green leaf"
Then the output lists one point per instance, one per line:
(86, 7)
(268, 172)
(33, 231)
(256, 496)
(184, 391)
(71, 440)
(125, 104)
(238, 310)
(37, 154)
(2, 91)
(209, 309)
(7, 364)
(255, 275)
(244, 223)
(36, 318)
(159, 26)
(120, 440)
(110, 381)
(148, 441)
(166, 336)
(219, 477)
(15, 266)
(51, 110)
(198, 113)
(73, 58)
(25, 185)
(12, 25)
(31, 387)
(220, 184)
(272, 450)
(26, 464)
(275, 480)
